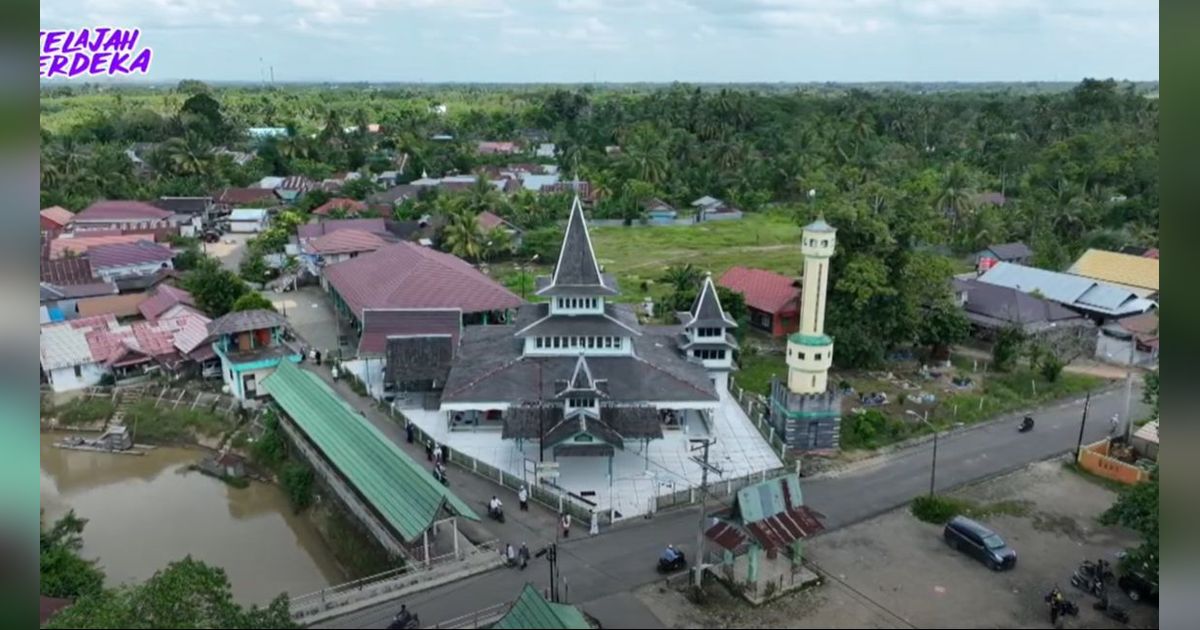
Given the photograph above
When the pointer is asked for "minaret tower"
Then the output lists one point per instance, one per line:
(810, 351)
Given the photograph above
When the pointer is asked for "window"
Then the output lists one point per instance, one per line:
(591, 342)
(78, 371)
(555, 340)
(801, 355)
(539, 342)
(720, 354)
(818, 357)
(825, 242)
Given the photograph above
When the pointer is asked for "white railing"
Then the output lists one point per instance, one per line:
(481, 618)
(396, 581)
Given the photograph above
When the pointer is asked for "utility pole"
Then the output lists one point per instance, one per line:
(1129, 386)
(704, 444)
(551, 553)
(1082, 422)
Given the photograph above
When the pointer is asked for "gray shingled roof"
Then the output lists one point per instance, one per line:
(412, 359)
(535, 321)
(992, 304)
(706, 309)
(240, 321)
(1010, 251)
(577, 272)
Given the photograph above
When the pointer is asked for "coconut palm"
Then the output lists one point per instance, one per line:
(463, 237)
(955, 194)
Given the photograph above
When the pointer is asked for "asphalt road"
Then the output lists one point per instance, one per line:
(625, 558)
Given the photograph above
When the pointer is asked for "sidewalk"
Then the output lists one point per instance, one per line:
(535, 527)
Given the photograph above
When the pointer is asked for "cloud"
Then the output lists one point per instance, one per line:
(163, 14)
(590, 33)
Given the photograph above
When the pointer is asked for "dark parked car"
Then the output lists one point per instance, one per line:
(972, 538)
(1138, 587)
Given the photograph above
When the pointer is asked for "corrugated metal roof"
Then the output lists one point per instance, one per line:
(248, 214)
(531, 610)
(537, 182)
(1124, 269)
(400, 489)
(773, 512)
(126, 254)
(65, 344)
(80, 245)
(121, 210)
(764, 290)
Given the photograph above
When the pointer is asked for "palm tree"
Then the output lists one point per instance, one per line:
(483, 197)
(954, 196)
(463, 237)
(189, 155)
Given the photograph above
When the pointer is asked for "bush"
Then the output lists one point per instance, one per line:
(938, 509)
(173, 425)
(871, 429)
(270, 450)
(297, 482)
(1051, 368)
(84, 411)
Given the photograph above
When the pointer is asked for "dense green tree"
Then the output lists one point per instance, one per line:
(64, 573)
(1137, 508)
(252, 301)
(214, 288)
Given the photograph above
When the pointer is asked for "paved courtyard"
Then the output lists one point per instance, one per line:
(310, 314)
(639, 474)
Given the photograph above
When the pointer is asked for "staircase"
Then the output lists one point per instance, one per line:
(124, 402)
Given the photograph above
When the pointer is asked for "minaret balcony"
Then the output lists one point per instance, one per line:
(810, 353)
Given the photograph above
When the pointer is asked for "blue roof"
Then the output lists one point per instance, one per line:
(537, 182)
(1065, 288)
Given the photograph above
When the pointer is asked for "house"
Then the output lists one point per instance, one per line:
(348, 207)
(1145, 441)
(139, 258)
(758, 542)
(271, 182)
(55, 218)
(489, 221)
(187, 206)
(407, 275)
(1129, 340)
(293, 186)
(121, 306)
(532, 610)
(991, 308)
(125, 214)
(1018, 253)
(1099, 300)
(61, 302)
(545, 150)
(321, 228)
(706, 202)
(390, 199)
(720, 212)
(162, 299)
(339, 246)
(658, 211)
(772, 299)
(1136, 273)
(260, 133)
(229, 198)
(248, 220)
(79, 353)
(407, 353)
(389, 178)
(250, 345)
(497, 148)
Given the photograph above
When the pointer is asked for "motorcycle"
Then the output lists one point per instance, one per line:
(405, 620)
(1088, 583)
(496, 514)
(439, 473)
(670, 566)
(1112, 612)
(1059, 606)
(1026, 425)
(1099, 569)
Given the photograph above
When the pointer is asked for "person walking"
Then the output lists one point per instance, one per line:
(523, 499)
(429, 450)
(523, 554)
(408, 432)
(510, 555)
(437, 453)
(566, 525)
(595, 528)
(1114, 425)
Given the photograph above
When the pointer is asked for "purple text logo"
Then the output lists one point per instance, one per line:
(101, 51)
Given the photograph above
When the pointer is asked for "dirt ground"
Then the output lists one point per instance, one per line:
(229, 250)
(896, 572)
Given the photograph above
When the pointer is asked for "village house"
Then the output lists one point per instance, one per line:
(497, 148)
(248, 220)
(658, 211)
(1018, 253)
(201, 207)
(126, 215)
(1100, 301)
(1129, 341)
(348, 207)
(757, 544)
(489, 221)
(1135, 273)
(250, 345)
(119, 260)
(772, 299)
(76, 244)
(991, 308)
(339, 246)
(292, 187)
(406, 354)
(228, 198)
(55, 218)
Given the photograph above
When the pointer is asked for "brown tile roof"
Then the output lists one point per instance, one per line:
(407, 275)
(118, 305)
(245, 196)
(378, 325)
(313, 230)
(346, 241)
(64, 271)
(125, 254)
(124, 210)
(80, 245)
(58, 214)
(489, 221)
(162, 299)
(351, 206)
(239, 321)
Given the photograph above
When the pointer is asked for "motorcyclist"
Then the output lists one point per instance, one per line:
(669, 555)
(402, 618)
(494, 506)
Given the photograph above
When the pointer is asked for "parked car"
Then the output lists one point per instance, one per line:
(979, 542)
(211, 236)
(1138, 587)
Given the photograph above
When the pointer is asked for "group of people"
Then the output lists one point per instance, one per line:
(515, 557)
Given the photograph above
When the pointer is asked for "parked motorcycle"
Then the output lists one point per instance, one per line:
(1087, 582)
(671, 566)
(1026, 425)
(1100, 569)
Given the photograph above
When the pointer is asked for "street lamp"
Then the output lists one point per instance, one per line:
(933, 465)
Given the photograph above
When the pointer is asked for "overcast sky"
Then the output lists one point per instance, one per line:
(631, 40)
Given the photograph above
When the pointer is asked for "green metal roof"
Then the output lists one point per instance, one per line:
(810, 340)
(531, 610)
(765, 498)
(399, 488)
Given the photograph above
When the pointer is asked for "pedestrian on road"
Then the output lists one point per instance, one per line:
(595, 529)
(437, 453)
(408, 432)
(510, 555)
(566, 525)
(335, 372)
(523, 499)
(523, 554)
(429, 450)
(316, 356)
(1114, 423)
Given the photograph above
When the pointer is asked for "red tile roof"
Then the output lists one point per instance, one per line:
(313, 230)
(407, 275)
(49, 606)
(125, 254)
(58, 214)
(345, 242)
(245, 196)
(162, 299)
(351, 206)
(80, 245)
(121, 211)
(378, 325)
(766, 291)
